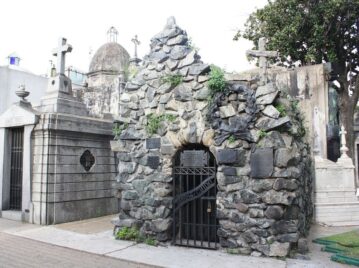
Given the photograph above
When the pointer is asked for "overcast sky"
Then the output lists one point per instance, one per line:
(31, 28)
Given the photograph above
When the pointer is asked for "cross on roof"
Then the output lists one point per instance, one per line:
(60, 52)
(263, 55)
(136, 42)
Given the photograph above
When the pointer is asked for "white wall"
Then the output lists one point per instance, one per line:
(10, 79)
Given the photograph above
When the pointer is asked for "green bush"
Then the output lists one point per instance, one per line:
(126, 233)
(216, 82)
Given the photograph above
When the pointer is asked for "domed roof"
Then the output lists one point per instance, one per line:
(110, 57)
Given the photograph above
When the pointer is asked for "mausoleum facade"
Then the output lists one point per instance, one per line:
(210, 169)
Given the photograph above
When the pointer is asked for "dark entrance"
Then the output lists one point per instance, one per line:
(194, 198)
(16, 151)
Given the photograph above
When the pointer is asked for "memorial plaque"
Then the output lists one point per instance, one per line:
(194, 159)
(262, 163)
(227, 156)
(153, 143)
(153, 161)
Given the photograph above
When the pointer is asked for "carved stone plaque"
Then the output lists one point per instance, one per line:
(262, 163)
(194, 158)
(153, 161)
(153, 143)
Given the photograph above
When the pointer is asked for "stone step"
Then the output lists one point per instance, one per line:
(337, 214)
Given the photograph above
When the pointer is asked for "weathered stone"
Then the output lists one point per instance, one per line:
(153, 143)
(249, 237)
(178, 40)
(286, 157)
(270, 111)
(179, 52)
(132, 87)
(231, 156)
(202, 78)
(262, 163)
(130, 134)
(241, 207)
(267, 99)
(188, 60)
(225, 180)
(261, 185)
(256, 213)
(274, 212)
(182, 93)
(161, 225)
(279, 249)
(249, 197)
(123, 157)
(167, 149)
(130, 195)
(303, 246)
(127, 167)
(283, 227)
(272, 139)
(227, 111)
(285, 184)
(202, 94)
(159, 57)
(165, 88)
(267, 124)
(172, 64)
(265, 89)
(198, 69)
(293, 238)
(274, 197)
(229, 171)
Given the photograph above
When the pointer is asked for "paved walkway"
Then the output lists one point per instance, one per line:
(21, 252)
(69, 244)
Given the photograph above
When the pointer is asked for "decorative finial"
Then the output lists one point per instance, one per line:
(22, 93)
(343, 148)
(112, 34)
(171, 23)
(136, 43)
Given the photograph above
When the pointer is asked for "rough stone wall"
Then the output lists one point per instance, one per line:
(264, 173)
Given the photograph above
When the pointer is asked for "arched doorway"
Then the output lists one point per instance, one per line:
(194, 198)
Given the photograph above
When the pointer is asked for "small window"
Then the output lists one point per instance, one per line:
(87, 160)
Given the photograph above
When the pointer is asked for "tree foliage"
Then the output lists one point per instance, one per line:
(312, 32)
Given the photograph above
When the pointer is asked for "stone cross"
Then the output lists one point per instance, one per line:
(263, 55)
(136, 42)
(60, 52)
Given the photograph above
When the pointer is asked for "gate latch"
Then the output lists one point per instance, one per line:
(209, 208)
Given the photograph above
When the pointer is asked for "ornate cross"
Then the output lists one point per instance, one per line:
(136, 42)
(60, 52)
(263, 55)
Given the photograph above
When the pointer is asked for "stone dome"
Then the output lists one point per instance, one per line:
(110, 57)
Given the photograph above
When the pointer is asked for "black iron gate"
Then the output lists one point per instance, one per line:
(194, 199)
(17, 137)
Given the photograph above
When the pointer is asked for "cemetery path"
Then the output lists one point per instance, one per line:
(17, 251)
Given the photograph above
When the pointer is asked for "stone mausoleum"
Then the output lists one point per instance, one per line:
(207, 168)
(56, 164)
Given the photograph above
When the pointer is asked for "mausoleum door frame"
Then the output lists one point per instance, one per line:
(26, 206)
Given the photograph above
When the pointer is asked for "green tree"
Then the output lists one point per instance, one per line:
(312, 32)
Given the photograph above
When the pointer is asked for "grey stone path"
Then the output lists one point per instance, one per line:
(21, 252)
(90, 243)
